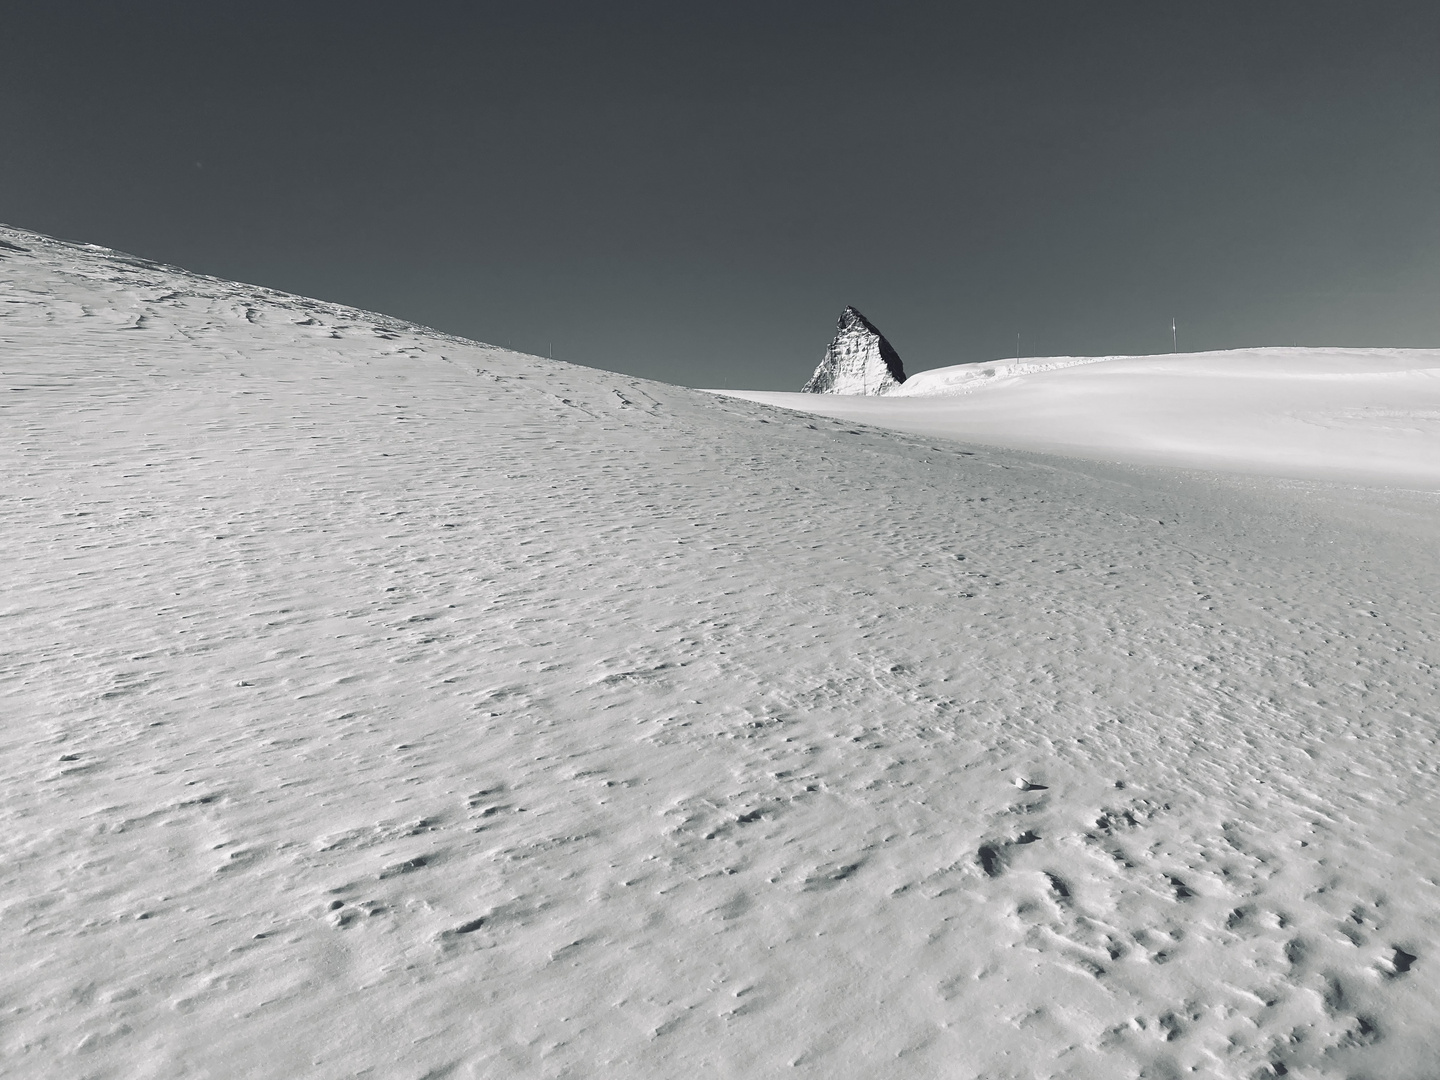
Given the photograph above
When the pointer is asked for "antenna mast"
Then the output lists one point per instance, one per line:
(1174, 337)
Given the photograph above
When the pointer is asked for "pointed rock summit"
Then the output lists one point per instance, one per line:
(858, 361)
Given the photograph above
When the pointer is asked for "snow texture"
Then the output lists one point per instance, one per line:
(382, 703)
(858, 361)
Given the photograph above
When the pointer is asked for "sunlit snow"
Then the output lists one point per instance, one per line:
(382, 703)
(1363, 415)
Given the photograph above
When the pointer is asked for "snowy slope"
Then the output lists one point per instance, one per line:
(1361, 415)
(383, 703)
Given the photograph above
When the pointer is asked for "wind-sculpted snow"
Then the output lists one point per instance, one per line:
(858, 361)
(379, 702)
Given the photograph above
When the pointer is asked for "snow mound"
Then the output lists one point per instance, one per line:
(967, 378)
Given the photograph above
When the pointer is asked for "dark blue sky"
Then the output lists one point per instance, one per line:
(693, 192)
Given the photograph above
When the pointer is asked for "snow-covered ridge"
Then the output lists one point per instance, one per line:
(967, 378)
(124, 285)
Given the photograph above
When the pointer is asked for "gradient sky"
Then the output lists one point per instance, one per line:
(692, 192)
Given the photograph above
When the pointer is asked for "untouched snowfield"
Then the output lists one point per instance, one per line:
(383, 704)
(1368, 416)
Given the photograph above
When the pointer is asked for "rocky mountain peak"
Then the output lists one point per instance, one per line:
(858, 361)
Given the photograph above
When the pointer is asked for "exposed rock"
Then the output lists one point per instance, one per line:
(858, 361)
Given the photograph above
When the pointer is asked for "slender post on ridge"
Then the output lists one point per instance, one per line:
(1174, 337)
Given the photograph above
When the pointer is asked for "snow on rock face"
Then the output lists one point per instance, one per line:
(858, 361)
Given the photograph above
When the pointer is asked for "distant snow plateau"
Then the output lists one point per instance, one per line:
(1362, 415)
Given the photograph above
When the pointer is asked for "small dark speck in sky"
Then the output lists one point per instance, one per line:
(693, 192)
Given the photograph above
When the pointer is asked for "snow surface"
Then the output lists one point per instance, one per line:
(1365, 415)
(382, 703)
